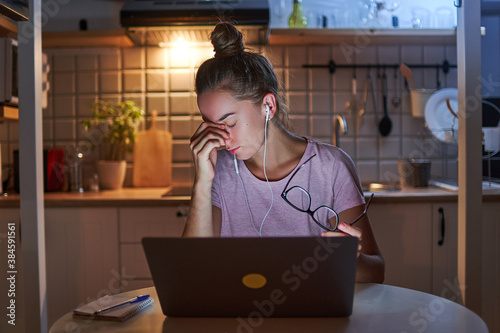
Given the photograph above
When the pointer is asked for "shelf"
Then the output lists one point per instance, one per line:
(9, 113)
(355, 37)
(88, 38)
(8, 28)
(362, 37)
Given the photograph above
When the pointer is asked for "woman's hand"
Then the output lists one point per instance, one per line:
(345, 231)
(204, 143)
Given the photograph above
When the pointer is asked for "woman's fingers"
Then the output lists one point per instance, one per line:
(346, 230)
(205, 133)
(204, 143)
(213, 140)
(333, 234)
(206, 127)
(350, 230)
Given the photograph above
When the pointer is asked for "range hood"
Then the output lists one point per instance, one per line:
(150, 22)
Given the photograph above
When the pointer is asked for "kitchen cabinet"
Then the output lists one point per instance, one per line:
(445, 259)
(491, 265)
(82, 257)
(444, 251)
(136, 223)
(93, 251)
(403, 235)
(409, 236)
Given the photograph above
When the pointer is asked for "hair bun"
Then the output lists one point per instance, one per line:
(227, 40)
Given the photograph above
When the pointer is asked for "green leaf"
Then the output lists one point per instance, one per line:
(115, 124)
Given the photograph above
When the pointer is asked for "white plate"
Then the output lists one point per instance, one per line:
(442, 124)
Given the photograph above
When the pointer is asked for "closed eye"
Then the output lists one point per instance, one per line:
(231, 126)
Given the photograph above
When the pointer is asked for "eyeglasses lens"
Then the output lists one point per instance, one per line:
(299, 198)
(326, 216)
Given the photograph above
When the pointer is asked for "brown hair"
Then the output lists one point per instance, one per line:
(234, 69)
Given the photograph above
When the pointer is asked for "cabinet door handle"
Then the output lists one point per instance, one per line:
(181, 214)
(441, 211)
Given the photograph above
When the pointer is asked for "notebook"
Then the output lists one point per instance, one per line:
(120, 313)
(245, 277)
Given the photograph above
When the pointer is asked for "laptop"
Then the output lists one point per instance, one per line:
(245, 277)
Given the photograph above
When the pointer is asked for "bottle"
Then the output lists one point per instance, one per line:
(94, 183)
(76, 174)
(297, 19)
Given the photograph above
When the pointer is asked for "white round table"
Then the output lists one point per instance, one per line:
(377, 308)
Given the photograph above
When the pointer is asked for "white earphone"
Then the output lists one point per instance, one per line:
(234, 156)
(236, 165)
(259, 232)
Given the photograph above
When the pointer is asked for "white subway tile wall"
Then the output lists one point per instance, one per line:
(157, 102)
(87, 63)
(133, 81)
(162, 79)
(156, 58)
(86, 83)
(110, 82)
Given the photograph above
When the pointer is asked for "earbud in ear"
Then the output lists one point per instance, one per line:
(267, 112)
(236, 165)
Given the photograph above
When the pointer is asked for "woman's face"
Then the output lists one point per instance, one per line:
(244, 122)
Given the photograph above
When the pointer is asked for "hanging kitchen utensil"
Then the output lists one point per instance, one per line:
(406, 71)
(396, 100)
(362, 109)
(374, 98)
(385, 125)
(438, 82)
(351, 104)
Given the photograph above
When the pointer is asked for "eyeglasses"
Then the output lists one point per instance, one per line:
(300, 199)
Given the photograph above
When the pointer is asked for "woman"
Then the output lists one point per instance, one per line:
(248, 166)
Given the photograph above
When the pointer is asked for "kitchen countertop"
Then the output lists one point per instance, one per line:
(139, 197)
(154, 197)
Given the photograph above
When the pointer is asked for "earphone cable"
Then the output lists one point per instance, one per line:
(259, 232)
(246, 198)
(265, 175)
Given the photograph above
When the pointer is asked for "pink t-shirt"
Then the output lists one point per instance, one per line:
(330, 178)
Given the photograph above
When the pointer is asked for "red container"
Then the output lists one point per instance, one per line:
(53, 170)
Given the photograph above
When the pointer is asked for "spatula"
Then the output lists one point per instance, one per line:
(406, 71)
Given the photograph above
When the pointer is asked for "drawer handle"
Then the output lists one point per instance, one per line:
(181, 214)
(441, 211)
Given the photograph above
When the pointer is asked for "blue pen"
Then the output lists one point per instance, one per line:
(128, 301)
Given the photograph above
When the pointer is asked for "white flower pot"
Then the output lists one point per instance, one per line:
(111, 174)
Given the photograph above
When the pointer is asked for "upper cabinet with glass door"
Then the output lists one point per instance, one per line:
(381, 21)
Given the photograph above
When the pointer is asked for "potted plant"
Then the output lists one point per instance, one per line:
(113, 129)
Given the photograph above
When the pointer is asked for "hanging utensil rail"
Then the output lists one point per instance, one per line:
(332, 66)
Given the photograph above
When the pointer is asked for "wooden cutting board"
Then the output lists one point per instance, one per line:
(153, 157)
